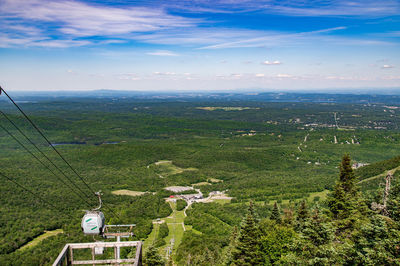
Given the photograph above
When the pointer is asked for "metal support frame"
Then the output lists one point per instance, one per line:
(108, 234)
(66, 257)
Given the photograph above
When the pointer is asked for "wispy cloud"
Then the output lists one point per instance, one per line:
(128, 76)
(387, 66)
(307, 8)
(358, 8)
(269, 63)
(226, 38)
(164, 73)
(75, 20)
(162, 53)
(66, 23)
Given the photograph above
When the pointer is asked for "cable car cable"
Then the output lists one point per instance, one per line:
(40, 132)
(30, 152)
(34, 194)
(38, 149)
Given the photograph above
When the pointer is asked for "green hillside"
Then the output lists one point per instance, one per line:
(259, 152)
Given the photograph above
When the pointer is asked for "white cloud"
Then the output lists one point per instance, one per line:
(391, 78)
(71, 23)
(350, 78)
(260, 75)
(227, 38)
(284, 76)
(162, 53)
(359, 8)
(310, 8)
(276, 62)
(128, 76)
(164, 73)
(22, 19)
(80, 19)
(387, 66)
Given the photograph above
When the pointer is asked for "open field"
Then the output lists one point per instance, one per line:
(176, 228)
(166, 168)
(201, 184)
(225, 108)
(214, 180)
(40, 238)
(128, 192)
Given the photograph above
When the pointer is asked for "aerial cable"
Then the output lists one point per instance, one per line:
(34, 194)
(38, 149)
(48, 168)
(51, 145)
(40, 132)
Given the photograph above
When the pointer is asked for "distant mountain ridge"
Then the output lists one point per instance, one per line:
(356, 98)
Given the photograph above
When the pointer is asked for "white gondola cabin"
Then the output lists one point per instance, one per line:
(93, 223)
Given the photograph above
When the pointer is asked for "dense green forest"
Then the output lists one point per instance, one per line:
(281, 156)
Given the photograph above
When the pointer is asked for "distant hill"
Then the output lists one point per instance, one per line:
(377, 168)
(366, 97)
(372, 177)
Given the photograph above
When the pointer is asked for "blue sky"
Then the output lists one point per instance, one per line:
(199, 45)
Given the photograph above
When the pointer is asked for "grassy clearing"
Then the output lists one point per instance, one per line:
(201, 184)
(208, 108)
(222, 201)
(38, 239)
(175, 226)
(380, 175)
(128, 192)
(167, 168)
(174, 222)
(214, 180)
(151, 238)
(322, 195)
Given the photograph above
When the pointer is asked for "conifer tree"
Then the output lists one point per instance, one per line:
(344, 199)
(302, 214)
(275, 215)
(393, 204)
(316, 230)
(347, 177)
(153, 258)
(288, 216)
(346, 204)
(247, 250)
(232, 245)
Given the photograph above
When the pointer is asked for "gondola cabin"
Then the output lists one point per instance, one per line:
(93, 223)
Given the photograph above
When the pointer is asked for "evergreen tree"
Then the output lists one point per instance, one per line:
(345, 203)
(302, 214)
(247, 250)
(376, 243)
(153, 258)
(347, 177)
(317, 230)
(393, 204)
(344, 199)
(288, 216)
(314, 245)
(232, 245)
(275, 215)
(275, 240)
